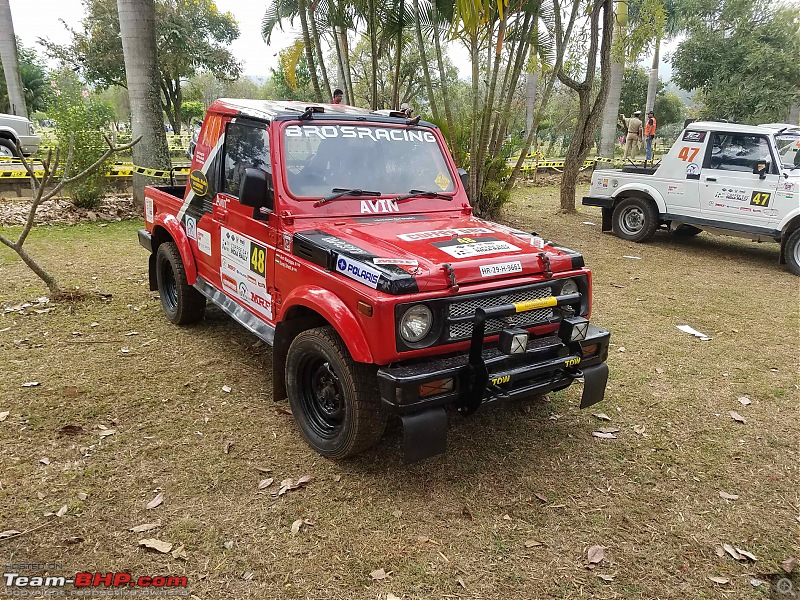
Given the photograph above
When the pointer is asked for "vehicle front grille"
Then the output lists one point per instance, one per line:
(458, 330)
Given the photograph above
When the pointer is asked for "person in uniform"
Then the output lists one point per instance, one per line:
(633, 125)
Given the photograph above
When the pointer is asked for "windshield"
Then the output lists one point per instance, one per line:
(388, 160)
(788, 145)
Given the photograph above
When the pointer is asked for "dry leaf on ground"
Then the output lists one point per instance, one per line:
(533, 543)
(379, 574)
(44, 460)
(62, 511)
(144, 527)
(608, 429)
(82, 496)
(228, 446)
(296, 526)
(604, 436)
(247, 575)
(728, 496)
(228, 545)
(639, 429)
(541, 497)
(745, 401)
(788, 564)
(397, 513)
(391, 596)
(9, 533)
(720, 580)
(107, 432)
(460, 582)
(155, 502)
(156, 544)
(180, 553)
(746, 554)
(606, 577)
(737, 417)
(30, 384)
(596, 554)
(601, 416)
(732, 551)
(265, 483)
(226, 389)
(4, 415)
(290, 484)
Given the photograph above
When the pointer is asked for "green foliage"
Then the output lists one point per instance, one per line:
(493, 195)
(80, 120)
(192, 36)
(669, 107)
(35, 82)
(192, 110)
(279, 87)
(743, 58)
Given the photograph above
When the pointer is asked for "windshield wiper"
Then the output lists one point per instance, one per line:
(339, 192)
(422, 194)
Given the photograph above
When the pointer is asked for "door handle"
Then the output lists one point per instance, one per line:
(711, 178)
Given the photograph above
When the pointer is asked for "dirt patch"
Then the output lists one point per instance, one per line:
(61, 211)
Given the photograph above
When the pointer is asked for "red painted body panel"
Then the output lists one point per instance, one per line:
(178, 235)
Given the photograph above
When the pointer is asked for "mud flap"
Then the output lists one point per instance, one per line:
(594, 384)
(424, 434)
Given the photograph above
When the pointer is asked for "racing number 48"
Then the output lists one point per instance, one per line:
(687, 154)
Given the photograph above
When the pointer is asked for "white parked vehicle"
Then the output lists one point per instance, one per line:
(15, 129)
(724, 178)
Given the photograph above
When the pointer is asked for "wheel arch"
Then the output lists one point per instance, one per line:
(307, 307)
(639, 190)
(788, 229)
(168, 229)
(7, 133)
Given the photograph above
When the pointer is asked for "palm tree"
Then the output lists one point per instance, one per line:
(137, 29)
(10, 59)
(608, 128)
(672, 27)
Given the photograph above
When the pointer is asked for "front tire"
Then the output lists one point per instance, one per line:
(792, 252)
(335, 400)
(181, 302)
(8, 148)
(634, 219)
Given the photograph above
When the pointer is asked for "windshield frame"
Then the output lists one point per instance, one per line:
(306, 203)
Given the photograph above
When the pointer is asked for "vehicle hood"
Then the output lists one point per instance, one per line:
(409, 253)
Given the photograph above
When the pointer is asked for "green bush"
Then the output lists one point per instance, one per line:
(81, 120)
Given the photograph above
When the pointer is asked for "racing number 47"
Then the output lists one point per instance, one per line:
(687, 154)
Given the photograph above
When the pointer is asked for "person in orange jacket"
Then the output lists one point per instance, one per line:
(649, 136)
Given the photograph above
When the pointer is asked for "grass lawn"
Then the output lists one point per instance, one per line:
(509, 512)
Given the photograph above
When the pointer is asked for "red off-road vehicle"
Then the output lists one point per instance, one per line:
(345, 239)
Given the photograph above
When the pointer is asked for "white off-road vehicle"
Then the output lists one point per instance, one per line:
(723, 178)
(15, 129)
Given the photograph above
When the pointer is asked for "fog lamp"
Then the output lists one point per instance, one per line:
(513, 341)
(573, 329)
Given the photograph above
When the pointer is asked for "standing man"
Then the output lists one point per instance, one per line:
(633, 125)
(337, 96)
(649, 136)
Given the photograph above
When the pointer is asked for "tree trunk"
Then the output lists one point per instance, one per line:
(309, 48)
(652, 84)
(137, 29)
(608, 130)
(588, 113)
(448, 113)
(474, 191)
(397, 64)
(373, 44)
(424, 59)
(794, 112)
(317, 40)
(10, 60)
(350, 91)
(341, 82)
(489, 108)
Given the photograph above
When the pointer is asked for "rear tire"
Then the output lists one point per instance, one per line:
(792, 252)
(8, 148)
(686, 231)
(181, 302)
(335, 400)
(635, 219)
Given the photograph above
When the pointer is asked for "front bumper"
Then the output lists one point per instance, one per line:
(485, 375)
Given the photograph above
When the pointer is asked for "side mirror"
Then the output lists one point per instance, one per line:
(761, 169)
(256, 190)
(464, 176)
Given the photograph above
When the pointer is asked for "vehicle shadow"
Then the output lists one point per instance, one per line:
(745, 251)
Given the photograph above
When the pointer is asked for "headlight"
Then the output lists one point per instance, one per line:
(416, 323)
(570, 287)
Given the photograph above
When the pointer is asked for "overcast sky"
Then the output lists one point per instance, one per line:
(42, 18)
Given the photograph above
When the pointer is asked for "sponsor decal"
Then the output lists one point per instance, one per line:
(788, 187)
(442, 181)
(229, 283)
(694, 136)
(286, 262)
(204, 241)
(675, 189)
(249, 288)
(537, 242)
(536, 304)
(191, 227)
(258, 259)
(198, 182)
(501, 269)
(693, 169)
(199, 157)
(770, 212)
(287, 242)
(221, 201)
(379, 206)
(342, 245)
(732, 194)
(234, 247)
(760, 198)
(571, 362)
(441, 233)
(401, 262)
(464, 247)
(375, 134)
(358, 271)
(602, 182)
(148, 210)
(501, 379)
